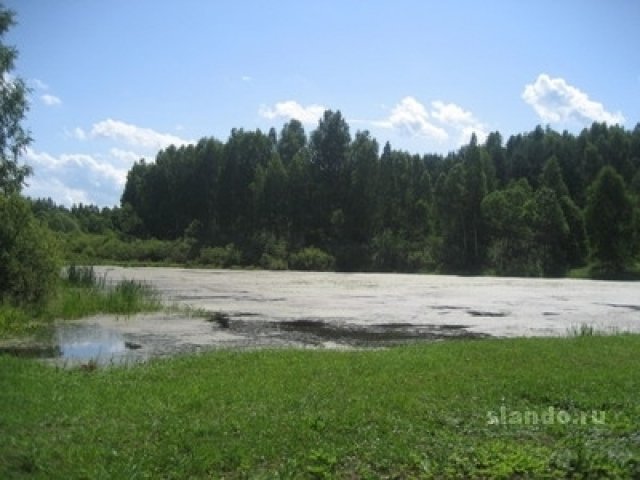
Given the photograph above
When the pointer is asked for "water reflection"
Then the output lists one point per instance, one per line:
(83, 343)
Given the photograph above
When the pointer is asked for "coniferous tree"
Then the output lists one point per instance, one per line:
(609, 220)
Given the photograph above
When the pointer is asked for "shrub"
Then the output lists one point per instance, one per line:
(220, 257)
(389, 252)
(421, 260)
(28, 255)
(271, 262)
(312, 258)
(274, 254)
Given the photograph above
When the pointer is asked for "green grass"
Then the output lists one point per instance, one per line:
(78, 294)
(410, 412)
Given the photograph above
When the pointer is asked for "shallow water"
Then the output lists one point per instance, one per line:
(79, 342)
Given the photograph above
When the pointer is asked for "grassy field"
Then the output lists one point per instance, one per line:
(525, 408)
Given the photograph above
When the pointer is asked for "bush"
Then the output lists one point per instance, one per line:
(312, 258)
(421, 260)
(220, 257)
(274, 255)
(28, 255)
(271, 262)
(389, 252)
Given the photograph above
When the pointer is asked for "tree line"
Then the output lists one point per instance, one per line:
(538, 204)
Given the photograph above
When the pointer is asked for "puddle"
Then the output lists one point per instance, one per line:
(82, 343)
(77, 343)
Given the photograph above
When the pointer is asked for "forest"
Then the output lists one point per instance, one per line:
(540, 203)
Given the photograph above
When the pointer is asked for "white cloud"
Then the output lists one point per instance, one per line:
(96, 168)
(292, 109)
(555, 101)
(125, 156)
(78, 133)
(412, 118)
(460, 120)
(134, 135)
(39, 84)
(448, 124)
(50, 100)
(96, 178)
(56, 190)
(78, 177)
(451, 114)
(246, 78)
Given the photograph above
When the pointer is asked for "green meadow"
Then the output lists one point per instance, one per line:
(519, 408)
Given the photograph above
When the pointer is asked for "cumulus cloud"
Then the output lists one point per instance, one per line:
(46, 98)
(97, 169)
(125, 156)
(292, 109)
(135, 135)
(53, 188)
(39, 84)
(50, 100)
(97, 178)
(460, 120)
(78, 133)
(448, 124)
(412, 118)
(78, 178)
(555, 101)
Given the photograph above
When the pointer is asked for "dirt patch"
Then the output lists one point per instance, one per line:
(480, 313)
(317, 332)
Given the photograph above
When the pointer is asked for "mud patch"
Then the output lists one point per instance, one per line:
(26, 349)
(635, 308)
(481, 313)
(318, 332)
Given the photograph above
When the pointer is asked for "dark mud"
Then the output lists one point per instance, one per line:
(317, 332)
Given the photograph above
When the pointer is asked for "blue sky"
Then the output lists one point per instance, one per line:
(114, 81)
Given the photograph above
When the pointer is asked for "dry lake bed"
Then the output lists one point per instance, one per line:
(241, 309)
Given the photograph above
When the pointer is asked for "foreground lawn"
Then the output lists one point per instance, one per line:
(463, 409)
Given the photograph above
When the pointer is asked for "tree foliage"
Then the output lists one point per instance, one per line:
(517, 208)
(13, 106)
(609, 219)
(28, 262)
(292, 200)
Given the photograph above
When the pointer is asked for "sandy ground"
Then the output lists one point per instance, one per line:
(505, 307)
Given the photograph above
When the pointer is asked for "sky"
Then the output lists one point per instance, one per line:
(116, 81)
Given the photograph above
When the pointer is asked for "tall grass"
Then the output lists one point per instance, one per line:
(84, 293)
(79, 293)
(83, 276)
